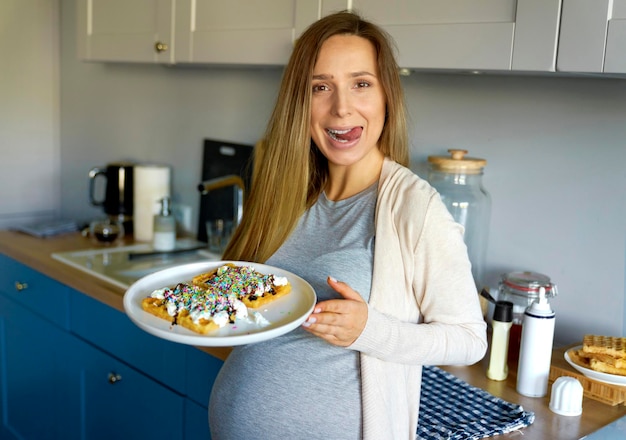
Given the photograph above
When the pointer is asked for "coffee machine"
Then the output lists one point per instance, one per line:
(117, 200)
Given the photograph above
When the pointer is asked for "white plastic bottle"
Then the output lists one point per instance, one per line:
(164, 228)
(501, 324)
(536, 348)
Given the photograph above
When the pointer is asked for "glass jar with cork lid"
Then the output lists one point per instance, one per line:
(458, 179)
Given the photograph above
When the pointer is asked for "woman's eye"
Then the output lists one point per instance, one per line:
(319, 88)
(362, 84)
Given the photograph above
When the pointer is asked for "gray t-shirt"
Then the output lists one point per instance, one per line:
(298, 386)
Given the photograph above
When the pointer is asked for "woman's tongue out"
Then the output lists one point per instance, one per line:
(345, 136)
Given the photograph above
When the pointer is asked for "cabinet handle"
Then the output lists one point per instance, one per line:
(114, 378)
(160, 47)
(20, 286)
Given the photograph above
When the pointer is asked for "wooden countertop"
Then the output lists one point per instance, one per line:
(36, 253)
(547, 425)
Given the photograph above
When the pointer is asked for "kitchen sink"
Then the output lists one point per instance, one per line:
(123, 265)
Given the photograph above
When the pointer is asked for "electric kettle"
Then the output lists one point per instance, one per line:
(117, 200)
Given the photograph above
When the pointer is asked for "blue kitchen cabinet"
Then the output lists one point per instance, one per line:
(112, 400)
(32, 380)
(74, 368)
(196, 421)
(113, 332)
(34, 322)
(183, 368)
(56, 386)
(43, 296)
(201, 372)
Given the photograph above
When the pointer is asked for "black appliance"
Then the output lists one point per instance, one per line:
(222, 159)
(117, 200)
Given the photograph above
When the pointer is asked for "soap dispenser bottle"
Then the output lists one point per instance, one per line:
(164, 228)
(536, 348)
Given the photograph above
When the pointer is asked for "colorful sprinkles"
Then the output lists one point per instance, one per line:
(220, 293)
(242, 281)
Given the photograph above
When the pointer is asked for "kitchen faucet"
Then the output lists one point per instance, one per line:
(222, 182)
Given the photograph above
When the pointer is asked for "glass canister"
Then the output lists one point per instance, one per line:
(522, 288)
(458, 179)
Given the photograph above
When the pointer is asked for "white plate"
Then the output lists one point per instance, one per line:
(613, 379)
(285, 313)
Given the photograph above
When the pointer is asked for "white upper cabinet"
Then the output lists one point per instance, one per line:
(435, 34)
(483, 35)
(122, 30)
(466, 34)
(244, 32)
(593, 36)
(238, 32)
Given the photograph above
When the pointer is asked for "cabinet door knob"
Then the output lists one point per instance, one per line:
(20, 286)
(114, 378)
(160, 47)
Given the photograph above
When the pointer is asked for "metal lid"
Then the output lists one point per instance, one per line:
(528, 283)
(457, 163)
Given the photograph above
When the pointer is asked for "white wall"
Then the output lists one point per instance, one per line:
(555, 148)
(556, 152)
(29, 111)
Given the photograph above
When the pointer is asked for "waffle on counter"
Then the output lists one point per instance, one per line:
(606, 354)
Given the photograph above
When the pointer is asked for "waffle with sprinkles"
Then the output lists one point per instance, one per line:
(253, 288)
(217, 298)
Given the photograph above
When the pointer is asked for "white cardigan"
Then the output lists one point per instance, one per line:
(423, 306)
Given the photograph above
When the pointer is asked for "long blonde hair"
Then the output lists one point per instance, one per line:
(289, 172)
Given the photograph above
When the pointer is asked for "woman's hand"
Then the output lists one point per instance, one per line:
(338, 321)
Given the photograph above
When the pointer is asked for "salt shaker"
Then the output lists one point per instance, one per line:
(536, 348)
(501, 323)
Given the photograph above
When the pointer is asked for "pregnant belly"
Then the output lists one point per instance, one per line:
(296, 381)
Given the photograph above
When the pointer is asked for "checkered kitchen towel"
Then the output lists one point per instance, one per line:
(452, 409)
